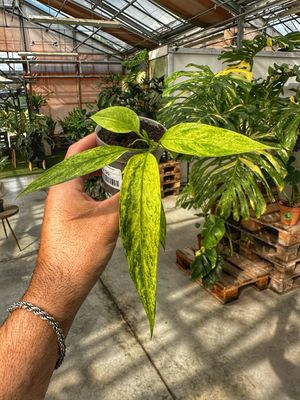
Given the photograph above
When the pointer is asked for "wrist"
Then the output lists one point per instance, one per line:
(54, 291)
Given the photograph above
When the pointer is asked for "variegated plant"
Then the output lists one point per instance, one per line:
(142, 218)
(237, 185)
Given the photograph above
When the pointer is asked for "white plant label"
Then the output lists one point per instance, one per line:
(112, 176)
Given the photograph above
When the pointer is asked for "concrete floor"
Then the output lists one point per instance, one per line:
(201, 349)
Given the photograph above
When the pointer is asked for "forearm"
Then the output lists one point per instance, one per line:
(28, 354)
(29, 346)
(77, 241)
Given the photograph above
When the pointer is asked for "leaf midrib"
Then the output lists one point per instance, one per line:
(141, 203)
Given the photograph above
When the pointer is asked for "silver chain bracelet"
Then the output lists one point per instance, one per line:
(51, 321)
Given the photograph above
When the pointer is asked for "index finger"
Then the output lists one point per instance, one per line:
(88, 142)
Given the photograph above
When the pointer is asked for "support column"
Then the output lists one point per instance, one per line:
(240, 29)
(26, 68)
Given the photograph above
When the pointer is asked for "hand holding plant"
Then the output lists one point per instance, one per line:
(142, 220)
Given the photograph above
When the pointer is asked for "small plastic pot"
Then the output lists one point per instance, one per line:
(289, 215)
(112, 173)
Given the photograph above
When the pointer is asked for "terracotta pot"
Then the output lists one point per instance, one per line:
(112, 173)
(288, 215)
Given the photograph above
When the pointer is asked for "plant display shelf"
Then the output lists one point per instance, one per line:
(285, 235)
(170, 178)
(238, 272)
(266, 244)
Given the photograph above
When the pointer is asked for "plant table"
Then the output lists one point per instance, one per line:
(9, 211)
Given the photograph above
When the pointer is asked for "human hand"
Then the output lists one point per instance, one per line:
(78, 237)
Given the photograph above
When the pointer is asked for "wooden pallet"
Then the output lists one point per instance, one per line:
(260, 245)
(281, 282)
(170, 178)
(238, 272)
(266, 244)
(279, 233)
(169, 167)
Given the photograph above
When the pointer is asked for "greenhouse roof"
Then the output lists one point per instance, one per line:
(150, 24)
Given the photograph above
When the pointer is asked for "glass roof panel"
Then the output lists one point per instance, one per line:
(104, 37)
(143, 13)
(152, 21)
(101, 36)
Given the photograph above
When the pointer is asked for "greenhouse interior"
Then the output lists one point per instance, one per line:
(149, 199)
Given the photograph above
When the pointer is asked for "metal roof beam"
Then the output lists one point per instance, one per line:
(73, 21)
(128, 23)
(229, 21)
(115, 53)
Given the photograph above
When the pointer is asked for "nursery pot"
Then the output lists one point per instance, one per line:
(112, 173)
(1, 205)
(288, 215)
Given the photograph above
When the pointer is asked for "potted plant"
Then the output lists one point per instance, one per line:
(290, 207)
(135, 90)
(112, 174)
(142, 218)
(31, 144)
(77, 124)
(30, 130)
(236, 185)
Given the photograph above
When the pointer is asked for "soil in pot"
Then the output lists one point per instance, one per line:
(112, 174)
(126, 139)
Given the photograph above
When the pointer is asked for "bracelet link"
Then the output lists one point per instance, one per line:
(51, 321)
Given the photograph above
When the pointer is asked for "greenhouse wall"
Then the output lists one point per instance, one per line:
(67, 82)
(173, 59)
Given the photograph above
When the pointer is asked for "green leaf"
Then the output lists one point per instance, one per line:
(117, 119)
(163, 227)
(214, 276)
(204, 263)
(213, 231)
(77, 165)
(140, 219)
(207, 141)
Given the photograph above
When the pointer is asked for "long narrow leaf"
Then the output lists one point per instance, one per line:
(140, 213)
(77, 165)
(207, 141)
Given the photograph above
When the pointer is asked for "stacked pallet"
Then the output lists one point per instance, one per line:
(170, 178)
(266, 238)
(238, 272)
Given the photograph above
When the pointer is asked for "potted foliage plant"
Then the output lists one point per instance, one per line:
(135, 90)
(77, 124)
(31, 144)
(142, 219)
(30, 130)
(290, 207)
(236, 185)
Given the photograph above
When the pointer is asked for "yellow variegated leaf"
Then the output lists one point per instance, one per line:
(77, 165)
(207, 141)
(140, 222)
(238, 73)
